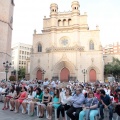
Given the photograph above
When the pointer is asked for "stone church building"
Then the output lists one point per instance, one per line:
(66, 47)
(6, 23)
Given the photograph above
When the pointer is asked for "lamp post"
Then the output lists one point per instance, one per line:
(7, 65)
(84, 72)
(43, 72)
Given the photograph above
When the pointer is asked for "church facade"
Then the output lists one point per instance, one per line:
(67, 49)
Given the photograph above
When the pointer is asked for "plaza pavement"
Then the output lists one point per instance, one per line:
(10, 115)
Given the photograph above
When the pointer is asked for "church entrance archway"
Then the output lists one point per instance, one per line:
(39, 75)
(92, 75)
(64, 75)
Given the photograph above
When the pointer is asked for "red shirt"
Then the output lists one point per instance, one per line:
(97, 95)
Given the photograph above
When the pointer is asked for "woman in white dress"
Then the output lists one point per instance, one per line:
(29, 99)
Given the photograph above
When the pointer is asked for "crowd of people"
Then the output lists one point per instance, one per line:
(74, 99)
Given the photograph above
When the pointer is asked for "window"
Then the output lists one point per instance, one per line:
(28, 53)
(39, 48)
(22, 52)
(69, 21)
(64, 22)
(59, 22)
(19, 62)
(91, 45)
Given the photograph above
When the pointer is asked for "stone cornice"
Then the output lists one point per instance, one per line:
(6, 23)
(64, 49)
(66, 28)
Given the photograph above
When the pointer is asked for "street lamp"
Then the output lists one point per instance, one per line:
(84, 72)
(7, 65)
(43, 72)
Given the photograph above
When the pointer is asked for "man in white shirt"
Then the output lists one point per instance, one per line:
(46, 83)
(53, 84)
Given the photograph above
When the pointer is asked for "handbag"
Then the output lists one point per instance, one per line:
(87, 111)
(90, 105)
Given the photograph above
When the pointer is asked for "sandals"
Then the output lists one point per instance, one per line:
(25, 112)
(41, 116)
(12, 109)
(4, 108)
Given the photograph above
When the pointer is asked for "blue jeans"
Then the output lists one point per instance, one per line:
(92, 114)
(110, 111)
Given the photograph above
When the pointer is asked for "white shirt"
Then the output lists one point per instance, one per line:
(65, 100)
(107, 92)
(84, 91)
(45, 83)
(31, 96)
(53, 84)
(12, 94)
(0, 89)
(34, 93)
(3, 90)
(62, 94)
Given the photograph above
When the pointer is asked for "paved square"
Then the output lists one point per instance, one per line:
(10, 115)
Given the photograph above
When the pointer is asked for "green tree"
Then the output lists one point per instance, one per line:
(21, 73)
(113, 68)
(12, 78)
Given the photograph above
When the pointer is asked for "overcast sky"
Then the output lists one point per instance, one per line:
(29, 14)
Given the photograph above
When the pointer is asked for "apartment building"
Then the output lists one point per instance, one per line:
(20, 55)
(110, 51)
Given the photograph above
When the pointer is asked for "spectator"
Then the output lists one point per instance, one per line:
(105, 102)
(77, 101)
(28, 99)
(22, 97)
(8, 97)
(46, 83)
(107, 91)
(3, 92)
(13, 100)
(37, 98)
(51, 91)
(45, 100)
(55, 103)
(65, 104)
(97, 93)
(53, 84)
(89, 108)
(117, 108)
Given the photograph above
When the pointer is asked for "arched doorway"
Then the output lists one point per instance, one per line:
(92, 75)
(39, 75)
(64, 75)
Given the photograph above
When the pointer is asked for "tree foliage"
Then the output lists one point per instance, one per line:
(21, 73)
(113, 68)
(12, 78)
